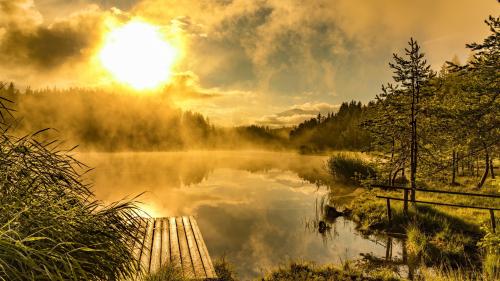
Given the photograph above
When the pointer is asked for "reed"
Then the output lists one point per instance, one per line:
(51, 225)
(350, 168)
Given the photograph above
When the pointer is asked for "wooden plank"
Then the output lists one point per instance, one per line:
(175, 254)
(165, 242)
(175, 240)
(146, 248)
(156, 247)
(205, 257)
(194, 252)
(187, 264)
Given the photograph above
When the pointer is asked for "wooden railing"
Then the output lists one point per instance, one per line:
(407, 189)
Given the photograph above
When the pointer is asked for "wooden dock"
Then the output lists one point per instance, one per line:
(175, 240)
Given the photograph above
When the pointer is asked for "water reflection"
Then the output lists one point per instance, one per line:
(251, 206)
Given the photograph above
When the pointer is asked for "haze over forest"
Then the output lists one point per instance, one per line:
(266, 63)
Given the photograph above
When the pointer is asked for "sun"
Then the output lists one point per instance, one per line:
(138, 55)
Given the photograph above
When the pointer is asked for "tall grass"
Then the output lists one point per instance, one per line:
(310, 271)
(168, 272)
(350, 168)
(224, 270)
(51, 226)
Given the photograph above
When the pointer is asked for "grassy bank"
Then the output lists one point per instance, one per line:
(455, 238)
(309, 271)
(291, 271)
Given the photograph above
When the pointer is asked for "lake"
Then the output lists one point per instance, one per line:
(256, 209)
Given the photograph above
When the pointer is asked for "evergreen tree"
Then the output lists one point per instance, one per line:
(477, 113)
(399, 108)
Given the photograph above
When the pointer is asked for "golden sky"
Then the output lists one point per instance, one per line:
(269, 62)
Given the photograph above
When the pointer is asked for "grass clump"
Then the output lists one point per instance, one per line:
(490, 244)
(168, 272)
(417, 242)
(224, 270)
(309, 271)
(350, 168)
(51, 226)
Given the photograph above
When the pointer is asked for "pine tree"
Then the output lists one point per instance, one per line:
(398, 110)
(479, 96)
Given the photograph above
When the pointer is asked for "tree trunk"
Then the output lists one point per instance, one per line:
(453, 165)
(492, 168)
(463, 168)
(396, 175)
(391, 180)
(413, 154)
(486, 168)
(477, 166)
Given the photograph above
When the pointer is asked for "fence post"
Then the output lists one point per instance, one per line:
(389, 214)
(493, 222)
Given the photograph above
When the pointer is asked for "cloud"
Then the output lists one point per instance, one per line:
(296, 114)
(18, 14)
(26, 41)
(243, 59)
(52, 46)
(186, 86)
(289, 47)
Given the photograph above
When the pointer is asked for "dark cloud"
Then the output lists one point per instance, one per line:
(49, 46)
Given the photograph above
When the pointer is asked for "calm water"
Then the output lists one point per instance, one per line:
(256, 209)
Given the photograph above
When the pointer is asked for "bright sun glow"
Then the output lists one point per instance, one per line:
(136, 54)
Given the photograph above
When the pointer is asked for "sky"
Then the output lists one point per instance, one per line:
(266, 62)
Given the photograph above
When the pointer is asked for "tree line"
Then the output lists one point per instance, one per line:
(424, 123)
(431, 123)
(103, 120)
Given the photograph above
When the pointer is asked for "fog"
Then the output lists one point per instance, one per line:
(120, 120)
(255, 208)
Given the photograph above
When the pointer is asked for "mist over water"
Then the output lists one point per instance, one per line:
(257, 209)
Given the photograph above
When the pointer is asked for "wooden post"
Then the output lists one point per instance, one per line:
(389, 214)
(493, 222)
(405, 204)
(388, 248)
